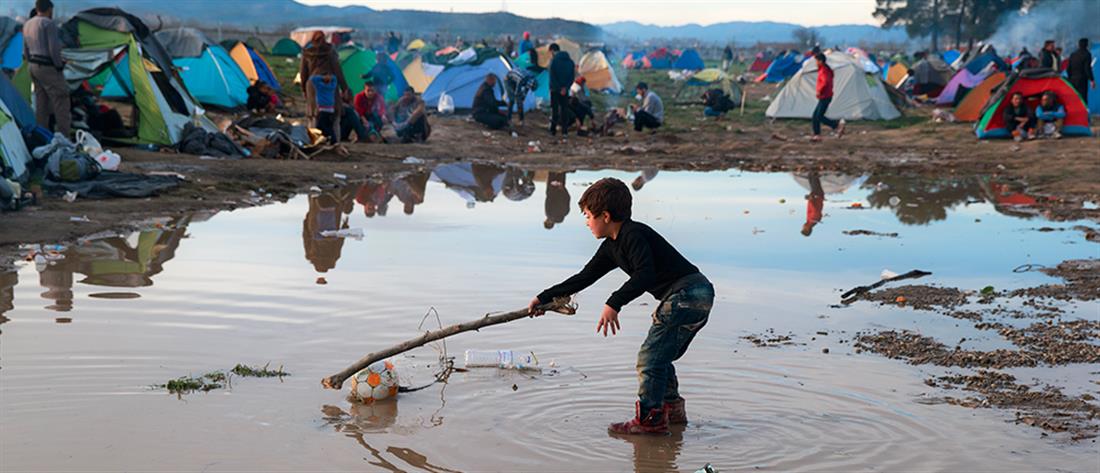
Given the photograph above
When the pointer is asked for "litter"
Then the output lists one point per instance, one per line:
(82, 218)
(504, 359)
(413, 160)
(70, 196)
(342, 177)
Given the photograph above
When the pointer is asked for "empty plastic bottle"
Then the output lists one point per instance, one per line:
(505, 359)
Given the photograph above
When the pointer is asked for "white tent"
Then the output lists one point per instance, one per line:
(857, 95)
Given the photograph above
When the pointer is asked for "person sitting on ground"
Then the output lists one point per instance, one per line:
(409, 118)
(580, 104)
(371, 106)
(654, 266)
(716, 103)
(517, 84)
(261, 98)
(1050, 114)
(325, 103)
(824, 98)
(487, 106)
(1019, 118)
(349, 122)
(652, 113)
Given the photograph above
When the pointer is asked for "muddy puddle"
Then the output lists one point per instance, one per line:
(87, 334)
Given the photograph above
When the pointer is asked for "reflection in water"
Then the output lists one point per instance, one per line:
(474, 182)
(327, 212)
(919, 201)
(557, 200)
(112, 262)
(815, 203)
(656, 453)
(643, 178)
(7, 292)
(361, 420)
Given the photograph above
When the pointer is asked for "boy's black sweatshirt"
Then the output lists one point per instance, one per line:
(653, 264)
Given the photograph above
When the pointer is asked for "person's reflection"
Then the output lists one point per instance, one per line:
(815, 204)
(474, 182)
(656, 453)
(374, 196)
(557, 200)
(490, 181)
(326, 213)
(410, 190)
(57, 280)
(7, 292)
(518, 184)
(643, 178)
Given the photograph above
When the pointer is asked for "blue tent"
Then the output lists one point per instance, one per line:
(214, 78)
(783, 67)
(263, 72)
(20, 111)
(689, 60)
(1094, 94)
(976, 65)
(12, 56)
(462, 82)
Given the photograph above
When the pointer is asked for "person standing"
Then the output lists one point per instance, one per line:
(1080, 70)
(42, 51)
(824, 98)
(1049, 57)
(526, 44)
(517, 83)
(727, 58)
(562, 73)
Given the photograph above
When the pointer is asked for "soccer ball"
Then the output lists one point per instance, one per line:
(374, 383)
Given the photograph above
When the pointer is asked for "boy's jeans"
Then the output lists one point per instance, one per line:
(675, 322)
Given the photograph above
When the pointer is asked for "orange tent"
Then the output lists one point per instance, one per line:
(970, 108)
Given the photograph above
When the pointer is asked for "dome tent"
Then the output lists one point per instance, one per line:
(206, 68)
(461, 83)
(1032, 83)
(857, 95)
(286, 47)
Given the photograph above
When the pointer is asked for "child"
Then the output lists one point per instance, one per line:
(322, 87)
(1050, 115)
(1019, 118)
(656, 267)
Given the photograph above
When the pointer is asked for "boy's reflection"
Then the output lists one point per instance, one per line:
(815, 203)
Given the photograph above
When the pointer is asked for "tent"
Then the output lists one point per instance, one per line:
(689, 60)
(337, 35)
(950, 56)
(931, 74)
(598, 73)
(256, 44)
(416, 44)
(254, 67)
(542, 92)
(783, 67)
(1032, 83)
(11, 43)
(960, 84)
(707, 79)
(970, 107)
(866, 60)
(358, 62)
(211, 76)
(759, 64)
(896, 74)
(286, 47)
(857, 95)
(660, 59)
(15, 158)
(566, 46)
(420, 74)
(636, 60)
(461, 83)
(111, 41)
(1094, 94)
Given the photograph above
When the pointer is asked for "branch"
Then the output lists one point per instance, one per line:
(561, 305)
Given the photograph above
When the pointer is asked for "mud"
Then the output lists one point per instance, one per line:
(921, 297)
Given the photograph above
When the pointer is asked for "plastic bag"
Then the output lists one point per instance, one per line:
(108, 160)
(446, 103)
(87, 143)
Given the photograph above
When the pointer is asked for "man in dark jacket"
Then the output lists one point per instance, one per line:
(1049, 57)
(562, 72)
(1080, 69)
(319, 58)
(487, 106)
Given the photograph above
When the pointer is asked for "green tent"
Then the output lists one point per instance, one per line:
(286, 47)
(358, 62)
(114, 42)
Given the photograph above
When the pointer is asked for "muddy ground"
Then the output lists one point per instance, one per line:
(1062, 173)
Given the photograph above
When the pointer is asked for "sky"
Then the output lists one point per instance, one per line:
(664, 13)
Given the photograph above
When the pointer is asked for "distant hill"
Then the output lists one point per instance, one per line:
(288, 14)
(750, 32)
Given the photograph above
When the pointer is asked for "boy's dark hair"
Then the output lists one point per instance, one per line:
(1021, 94)
(1083, 43)
(820, 57)
(554, 47)
(43, 6)
(607, 194)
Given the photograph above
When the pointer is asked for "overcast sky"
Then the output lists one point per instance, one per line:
(666, 13)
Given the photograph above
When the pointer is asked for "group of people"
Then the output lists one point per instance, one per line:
(338, 114)
(570, 104)
(1045, 120)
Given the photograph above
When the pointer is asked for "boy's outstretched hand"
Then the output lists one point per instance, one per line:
(533, 308)
(609, 318)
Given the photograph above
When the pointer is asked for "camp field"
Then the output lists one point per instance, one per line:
(1063, 169)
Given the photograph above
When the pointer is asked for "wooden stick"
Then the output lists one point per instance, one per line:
(743, 94)
(858, 291)
(560, 305)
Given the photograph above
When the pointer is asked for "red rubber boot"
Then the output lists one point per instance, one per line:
(677, 414)
(654, 422)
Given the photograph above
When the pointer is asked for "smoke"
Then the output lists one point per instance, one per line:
(1064, 21)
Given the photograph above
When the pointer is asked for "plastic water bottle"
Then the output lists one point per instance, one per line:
(505, 359)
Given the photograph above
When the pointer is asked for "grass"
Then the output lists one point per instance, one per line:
(251, 372)
(218, 379)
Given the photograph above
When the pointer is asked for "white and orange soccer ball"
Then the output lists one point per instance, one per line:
(375, 382)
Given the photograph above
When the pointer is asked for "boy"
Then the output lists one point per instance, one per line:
(1019, 118)
(1050, 115)
(824, 98)
(656, 267)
